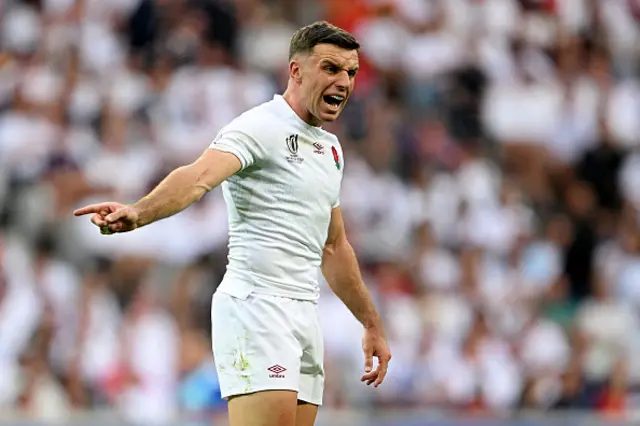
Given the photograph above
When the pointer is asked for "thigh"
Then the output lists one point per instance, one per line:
(306, 414)
(254, 346)
(268, 408)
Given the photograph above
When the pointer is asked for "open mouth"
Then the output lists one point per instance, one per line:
(333, 101)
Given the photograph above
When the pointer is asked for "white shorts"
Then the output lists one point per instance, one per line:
(266, 342)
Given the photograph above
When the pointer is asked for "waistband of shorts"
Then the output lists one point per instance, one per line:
(245, 284)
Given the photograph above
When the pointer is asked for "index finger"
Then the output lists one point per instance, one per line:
(91, 208)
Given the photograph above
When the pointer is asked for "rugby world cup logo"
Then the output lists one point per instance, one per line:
(292, 144)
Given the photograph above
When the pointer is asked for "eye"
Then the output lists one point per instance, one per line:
(331, 69)
(352, 73)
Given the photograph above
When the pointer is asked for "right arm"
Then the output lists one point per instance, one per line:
(186, 185)
(181, 188)
(231, 151)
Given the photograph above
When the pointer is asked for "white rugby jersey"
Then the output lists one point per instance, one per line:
(279, 204)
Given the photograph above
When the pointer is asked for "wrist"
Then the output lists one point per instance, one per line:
(138, 214)
(372, 324)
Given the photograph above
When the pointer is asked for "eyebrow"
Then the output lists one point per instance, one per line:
(332, 62)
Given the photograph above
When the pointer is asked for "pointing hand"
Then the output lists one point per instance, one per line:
(111, 217)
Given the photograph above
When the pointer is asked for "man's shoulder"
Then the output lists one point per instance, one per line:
(256, 119)
(330, 137)
(333, 141)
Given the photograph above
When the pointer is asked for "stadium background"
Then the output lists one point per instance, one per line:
(491, 192)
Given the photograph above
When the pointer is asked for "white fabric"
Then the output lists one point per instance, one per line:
(609, 328)
(21, 30)
(439, 269)
(265, 342)
(151, 344)
(545, 349)
(279, 205)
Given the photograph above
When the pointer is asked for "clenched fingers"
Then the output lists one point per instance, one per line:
(98, 220)
(117, 215)
(111, 228)
(116, 226)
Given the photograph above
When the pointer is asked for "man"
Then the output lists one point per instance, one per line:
(280, 175)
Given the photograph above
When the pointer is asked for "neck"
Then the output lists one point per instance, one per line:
(291, 97)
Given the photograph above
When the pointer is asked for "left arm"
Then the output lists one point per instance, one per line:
(340, 269)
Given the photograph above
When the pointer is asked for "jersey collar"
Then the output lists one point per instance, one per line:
(285, 109)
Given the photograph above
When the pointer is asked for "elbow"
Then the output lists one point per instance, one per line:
(328, 251)
(196, 181)
(331, 248)
(198, 193)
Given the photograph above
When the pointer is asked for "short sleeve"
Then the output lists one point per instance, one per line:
(336, 204)
(248, 150)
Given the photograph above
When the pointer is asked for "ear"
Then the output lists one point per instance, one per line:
(295, 70)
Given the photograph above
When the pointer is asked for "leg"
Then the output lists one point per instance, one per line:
(268, 408)
(306, 414)
(257, 357)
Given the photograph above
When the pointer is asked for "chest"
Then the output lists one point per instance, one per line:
(305, 169)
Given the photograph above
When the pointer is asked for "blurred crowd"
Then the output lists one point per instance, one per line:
(491, 191)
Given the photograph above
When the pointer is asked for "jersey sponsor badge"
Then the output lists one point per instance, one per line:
(318, 148)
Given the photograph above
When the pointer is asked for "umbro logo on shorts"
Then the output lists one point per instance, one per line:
(277, 371)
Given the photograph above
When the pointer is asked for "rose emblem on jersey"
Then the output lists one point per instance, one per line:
(336, 157)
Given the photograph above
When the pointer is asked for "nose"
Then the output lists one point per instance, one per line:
(342, 81)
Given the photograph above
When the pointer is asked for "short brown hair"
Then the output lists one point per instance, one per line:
(321, 32)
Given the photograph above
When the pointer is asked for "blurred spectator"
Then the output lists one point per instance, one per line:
(491, 192)
(199, 393)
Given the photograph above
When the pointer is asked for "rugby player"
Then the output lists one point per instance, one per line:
(280, 174)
